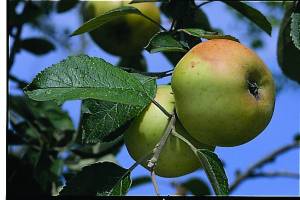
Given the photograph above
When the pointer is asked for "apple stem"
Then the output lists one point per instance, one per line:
(162, 108)
(172, 25)
(174, 133)
(143, 159)
(202, 4)
(154, 183)
(156, 75)
(154, 22)
(158, 148)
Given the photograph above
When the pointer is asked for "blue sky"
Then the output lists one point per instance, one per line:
(280, 131)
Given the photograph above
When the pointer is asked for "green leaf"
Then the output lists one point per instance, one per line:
(196, 186)
(65, 5)
(31, 110)
(36, 121)
(99, 179)
(252, 14)
(213, 167)
(27, 132)
(295, 29)
(104, 118)
(140, 181)
(101, 118)
(165, 42)
(47, 169)
(288, 55)
(206, 34)
(32, 156)
(38, 46)
(98, 21)
(84, 77)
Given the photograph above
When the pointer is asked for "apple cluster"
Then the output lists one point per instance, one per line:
(223, 95)
(221, 91)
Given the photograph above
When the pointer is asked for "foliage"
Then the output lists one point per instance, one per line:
(288, 52)
(44, 147)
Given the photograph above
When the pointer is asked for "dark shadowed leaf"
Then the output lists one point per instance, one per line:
(84, 77)
(96, 22)
(37, 46)
(297, 137)
(189, 18)
(186, 14)
(173, 57)
(99, 179)
(100, 149)
(213, 167)
(20, 179)
(196, 186)
(34, 111)
(101, 118)
(14, 139)
(47, 169)
(34, 121)
(137, 62)
(206, 34)
(295, 29)
(141, 180)
(141, 1)
(252, 14)
(288, 55)
(165, 42)
(32, 13)
(65, 5)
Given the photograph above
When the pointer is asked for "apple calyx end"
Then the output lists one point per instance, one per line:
(253, 89)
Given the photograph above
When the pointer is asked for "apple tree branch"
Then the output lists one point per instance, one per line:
(251, 171)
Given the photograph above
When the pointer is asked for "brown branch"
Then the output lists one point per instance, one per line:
(159, 146)
(206, 2)
(276, 174)
(162, 108)
(156, 75)
(154, 22)
(17, 38)
(141, 160)
(172, 25)
(15, 46)
(154, 182)
(250, 172)
(157, 150)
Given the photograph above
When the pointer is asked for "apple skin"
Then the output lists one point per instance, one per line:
(176, 158)
(212, 95)
(126, 35)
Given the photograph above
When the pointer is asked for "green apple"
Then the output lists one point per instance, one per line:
(125, 35)
(176, 158)
(224, 93)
